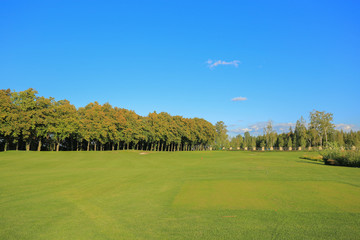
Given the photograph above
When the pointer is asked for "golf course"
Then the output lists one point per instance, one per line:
(176, 195)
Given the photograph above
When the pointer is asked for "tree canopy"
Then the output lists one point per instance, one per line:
(32, 122)
(29, 121)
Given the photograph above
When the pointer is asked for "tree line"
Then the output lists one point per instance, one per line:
(319, 132)
(32, 122)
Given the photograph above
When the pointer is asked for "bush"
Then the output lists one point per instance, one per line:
(336, 156)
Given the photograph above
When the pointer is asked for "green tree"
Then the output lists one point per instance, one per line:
(221, 137)
(300, 132)
(322, 123)
(26, 106)
(6, 116)
(65, 123)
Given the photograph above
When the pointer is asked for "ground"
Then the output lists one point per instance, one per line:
(176, 195)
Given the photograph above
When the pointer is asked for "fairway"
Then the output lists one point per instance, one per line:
(302, 196)
(176, 195)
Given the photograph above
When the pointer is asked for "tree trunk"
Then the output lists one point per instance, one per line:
(39, 145)
(112, 147)
(88, 146)
(95, 146)
(5, 147)
(321, 141)
(27, 146)
(326, 138)
(127, 146)
(57, 146)
(77, 146)
(17, 146)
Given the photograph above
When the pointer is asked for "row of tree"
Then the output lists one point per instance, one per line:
(30, 122)
(319, 132)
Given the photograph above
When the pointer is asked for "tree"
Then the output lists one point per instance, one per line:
(6, 117)
(248, 140)
(221, 137)
(43, 119)
(289, 142)
(65, 121)
(280, 141)
(270, 135)
(300, 132)
(25, 104)
(322, 123)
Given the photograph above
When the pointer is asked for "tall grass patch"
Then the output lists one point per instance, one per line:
(336, 156)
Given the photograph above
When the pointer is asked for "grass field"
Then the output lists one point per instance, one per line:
(181, 195)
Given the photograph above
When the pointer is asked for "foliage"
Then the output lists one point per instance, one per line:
(27, 119)
(322, 123)
(337, 156)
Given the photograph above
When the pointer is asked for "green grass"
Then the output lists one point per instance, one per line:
(182, 195)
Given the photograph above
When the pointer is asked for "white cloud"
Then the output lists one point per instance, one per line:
(212, 64)
(240, 130)
(239, 99)
(258, 128)
(284, 127)
(346, 127)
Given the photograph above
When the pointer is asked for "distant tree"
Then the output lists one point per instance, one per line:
(236, 142)
(221, 138)
(340, 138)
(322, 123)
(289, 142)
(300, 133)
(269, 135)
(280, 141)
(248, 140)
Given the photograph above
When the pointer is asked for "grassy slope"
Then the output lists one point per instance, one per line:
(125, 195)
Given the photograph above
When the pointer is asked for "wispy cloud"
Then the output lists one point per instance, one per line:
(346, 127)
(235, 99)
(240, 130)
(258, 128)
(212, 63)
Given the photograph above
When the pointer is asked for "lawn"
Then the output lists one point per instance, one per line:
(176, 195)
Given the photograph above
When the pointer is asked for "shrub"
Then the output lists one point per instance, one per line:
(336, 156)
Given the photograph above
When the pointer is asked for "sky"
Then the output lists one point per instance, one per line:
(241, 62)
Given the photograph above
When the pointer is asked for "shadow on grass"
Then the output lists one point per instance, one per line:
(303, 160)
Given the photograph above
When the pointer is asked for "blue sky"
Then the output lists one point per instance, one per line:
(189, 58)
